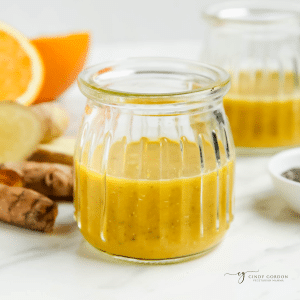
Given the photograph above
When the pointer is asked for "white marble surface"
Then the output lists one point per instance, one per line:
(264, 236)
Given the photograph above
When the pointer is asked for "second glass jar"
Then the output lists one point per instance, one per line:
(258, 43)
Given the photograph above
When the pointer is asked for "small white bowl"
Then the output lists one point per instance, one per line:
(286, 188)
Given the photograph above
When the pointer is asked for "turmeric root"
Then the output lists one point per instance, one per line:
(27, 208)
(49, 179)
(54, 120)
(10, 178)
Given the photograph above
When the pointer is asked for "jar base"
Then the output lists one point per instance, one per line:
(247, 151)
(119, 258)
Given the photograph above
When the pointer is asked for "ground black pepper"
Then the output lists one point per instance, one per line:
(292, 174)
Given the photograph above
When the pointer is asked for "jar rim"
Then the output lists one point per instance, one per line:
(96, 82)
(254, 12)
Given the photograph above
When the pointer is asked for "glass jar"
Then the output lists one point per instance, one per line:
(154, 160)
(258, 43)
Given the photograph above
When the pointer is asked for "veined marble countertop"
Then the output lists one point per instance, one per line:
(264, 237)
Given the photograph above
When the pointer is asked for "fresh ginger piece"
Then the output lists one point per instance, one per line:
(23, 128)
(54, 119)
(49, 179)
(27, 208)
(10, 178)
(58, 151)
(20, 131)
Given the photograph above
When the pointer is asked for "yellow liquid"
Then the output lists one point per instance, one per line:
(264, 111)
(139, 215)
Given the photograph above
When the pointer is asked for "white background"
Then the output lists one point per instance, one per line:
(110, 21)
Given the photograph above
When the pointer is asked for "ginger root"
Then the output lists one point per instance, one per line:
(54, 120)
(50, 179)
(20, 131)
(25, 186)
(59, 151)
(23, 128)
(27, 208)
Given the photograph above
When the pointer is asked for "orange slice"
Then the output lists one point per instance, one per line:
(64, 58)
(21, 68)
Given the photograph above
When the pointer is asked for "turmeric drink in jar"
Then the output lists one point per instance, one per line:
(262, 56)
(154, 160)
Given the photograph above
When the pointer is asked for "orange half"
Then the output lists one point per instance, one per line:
(21, 68)
(64, 57)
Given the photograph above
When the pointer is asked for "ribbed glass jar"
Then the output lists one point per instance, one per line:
(258, 43)
(154, 160)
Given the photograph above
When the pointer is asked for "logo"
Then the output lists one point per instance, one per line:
(241, 275)
(257, 278)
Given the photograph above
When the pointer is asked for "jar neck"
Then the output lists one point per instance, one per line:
(255, 16)
(148, 83)
(273, 30)
(162, 110)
